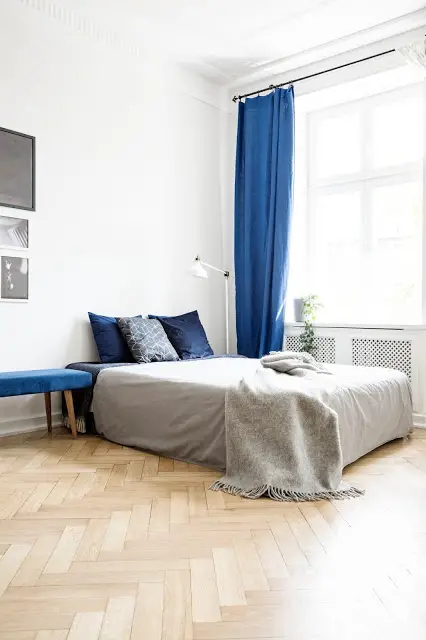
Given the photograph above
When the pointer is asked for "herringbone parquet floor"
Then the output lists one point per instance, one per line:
(102, 541)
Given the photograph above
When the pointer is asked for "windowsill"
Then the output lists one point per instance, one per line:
(343, 325)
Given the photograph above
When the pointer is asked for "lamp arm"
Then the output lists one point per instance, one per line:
(222, 271)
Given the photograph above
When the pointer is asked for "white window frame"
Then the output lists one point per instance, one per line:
(405, 172)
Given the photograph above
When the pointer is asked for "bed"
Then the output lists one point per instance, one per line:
(177, 409)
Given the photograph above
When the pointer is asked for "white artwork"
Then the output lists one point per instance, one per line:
(13, 233)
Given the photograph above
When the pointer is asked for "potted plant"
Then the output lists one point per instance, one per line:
(311, 305)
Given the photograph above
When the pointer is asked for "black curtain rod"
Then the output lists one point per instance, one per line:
(312, 75)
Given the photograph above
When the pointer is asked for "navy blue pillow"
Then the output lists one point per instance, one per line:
(112, 347)
(187, 335)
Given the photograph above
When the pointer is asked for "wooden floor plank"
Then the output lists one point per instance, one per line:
(62, 556)
(117, 623)
(229, 583)
(288, 545)
(269, 554)
(116, 532)
(205, 598)
(36, 560)
(175, 606)
(251, 570)
(10, 563)
(139, 522)
(151, 465)
(148, 615)
(179, 507)
(160, 515)
(134, 471)
(60, 634)
(92, 540)
(86, 626)
(38, 496)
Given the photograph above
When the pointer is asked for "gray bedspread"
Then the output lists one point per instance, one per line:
(82, 398)
(177, 409)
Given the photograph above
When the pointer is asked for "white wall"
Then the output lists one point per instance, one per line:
(127, 192)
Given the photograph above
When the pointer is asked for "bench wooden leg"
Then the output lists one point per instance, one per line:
(71, 414)
(48, 405)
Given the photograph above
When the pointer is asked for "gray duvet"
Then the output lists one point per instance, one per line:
(177, 409)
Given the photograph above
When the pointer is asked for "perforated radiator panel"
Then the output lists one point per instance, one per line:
(376, 352)
(324, 345)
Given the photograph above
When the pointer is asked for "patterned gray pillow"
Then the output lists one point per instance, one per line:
(147, 340)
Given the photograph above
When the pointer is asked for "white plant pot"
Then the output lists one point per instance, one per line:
(299, 316)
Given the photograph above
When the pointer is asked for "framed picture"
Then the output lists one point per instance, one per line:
(13, 233)
(14, 278)
(17, 170)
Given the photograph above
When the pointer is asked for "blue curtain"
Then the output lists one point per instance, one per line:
(263, 205)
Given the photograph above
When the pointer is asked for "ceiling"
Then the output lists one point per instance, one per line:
(230, 39)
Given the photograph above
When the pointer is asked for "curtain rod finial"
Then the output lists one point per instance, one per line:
(234, 99)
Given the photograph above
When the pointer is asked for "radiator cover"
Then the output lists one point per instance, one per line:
(325, 347)
(376, 352)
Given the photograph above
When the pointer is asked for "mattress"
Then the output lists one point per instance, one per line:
(177, 409)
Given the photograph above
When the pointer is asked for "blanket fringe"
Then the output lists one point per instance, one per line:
(80, 422)
(285, 495)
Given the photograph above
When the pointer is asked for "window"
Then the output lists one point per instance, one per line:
(358, 220)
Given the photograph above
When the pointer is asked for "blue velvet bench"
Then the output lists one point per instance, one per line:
(21, 383)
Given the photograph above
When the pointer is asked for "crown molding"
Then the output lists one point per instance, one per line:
(86, 27)
(393, 32)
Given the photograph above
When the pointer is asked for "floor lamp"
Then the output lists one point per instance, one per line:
(198, 271)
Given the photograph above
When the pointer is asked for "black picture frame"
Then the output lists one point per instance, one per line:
(28, 174)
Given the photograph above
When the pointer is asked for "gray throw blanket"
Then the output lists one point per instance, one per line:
(281, 441)
(294, 363)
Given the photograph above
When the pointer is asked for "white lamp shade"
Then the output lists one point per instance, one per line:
(197, 270)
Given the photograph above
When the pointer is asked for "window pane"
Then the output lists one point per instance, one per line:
(396, 253)
(397, 132)
(336, 145)
(337, 265)
(338, 216)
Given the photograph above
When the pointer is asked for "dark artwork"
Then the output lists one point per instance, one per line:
(17, 170)
(14, 278)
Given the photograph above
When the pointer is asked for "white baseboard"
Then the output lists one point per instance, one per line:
(36, 423)
(419, 420)
(26, 425)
